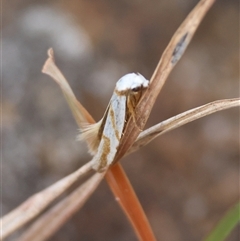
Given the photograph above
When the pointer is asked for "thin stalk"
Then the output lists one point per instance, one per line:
(127, 199)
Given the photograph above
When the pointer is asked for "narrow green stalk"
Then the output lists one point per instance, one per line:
(225, 225)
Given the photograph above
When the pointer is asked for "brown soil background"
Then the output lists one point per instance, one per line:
(187, 179)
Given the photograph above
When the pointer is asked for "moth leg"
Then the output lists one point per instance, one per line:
(131, 108)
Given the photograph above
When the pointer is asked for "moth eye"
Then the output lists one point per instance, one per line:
(136, 89)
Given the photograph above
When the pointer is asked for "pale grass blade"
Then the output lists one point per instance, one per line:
(33, 206)
(52, 220)
(172, 123)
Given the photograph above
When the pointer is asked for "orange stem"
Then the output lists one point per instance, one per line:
(125, 195)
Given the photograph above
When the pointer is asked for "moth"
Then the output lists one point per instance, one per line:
(105, 135)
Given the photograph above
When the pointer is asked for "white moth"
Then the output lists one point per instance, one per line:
(106, 134)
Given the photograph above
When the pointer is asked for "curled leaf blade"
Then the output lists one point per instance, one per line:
(81, 115)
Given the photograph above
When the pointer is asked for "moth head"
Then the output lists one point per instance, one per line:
(132, 83)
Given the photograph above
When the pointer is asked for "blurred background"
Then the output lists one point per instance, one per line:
(186, 179)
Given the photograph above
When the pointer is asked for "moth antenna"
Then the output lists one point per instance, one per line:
(132, 111)
(135, 122)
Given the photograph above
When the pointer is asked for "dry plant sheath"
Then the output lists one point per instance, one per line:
(170, 57)
(115, 135)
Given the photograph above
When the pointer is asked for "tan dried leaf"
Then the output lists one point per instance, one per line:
(39, 201)
(50, 222)
(172, 123)
(170, 57)
(80, 113)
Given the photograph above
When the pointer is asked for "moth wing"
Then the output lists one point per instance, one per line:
(91, 133)
(112, 132)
